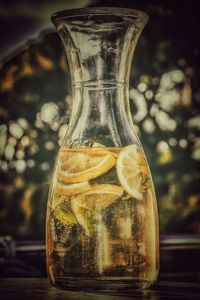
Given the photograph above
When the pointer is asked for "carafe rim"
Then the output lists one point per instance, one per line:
(112, 11)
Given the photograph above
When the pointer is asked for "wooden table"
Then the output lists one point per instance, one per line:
(39, 289)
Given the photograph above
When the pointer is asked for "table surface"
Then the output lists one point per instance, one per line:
(40, 288)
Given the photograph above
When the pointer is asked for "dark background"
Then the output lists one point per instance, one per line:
(34, 77)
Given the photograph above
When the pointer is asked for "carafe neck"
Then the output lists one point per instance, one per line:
(101, 114)
(99, 43)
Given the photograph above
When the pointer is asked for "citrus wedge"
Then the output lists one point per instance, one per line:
(132, 171)
(71, 189)
(98, 145)
(86, 206)
(98, 197)
(84, 164)
(64, 215)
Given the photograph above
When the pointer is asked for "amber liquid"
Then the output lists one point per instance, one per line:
(98, 234)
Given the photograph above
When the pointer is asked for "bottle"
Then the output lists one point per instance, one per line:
(102, 219)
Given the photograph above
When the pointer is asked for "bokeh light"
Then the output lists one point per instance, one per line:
(34, 114)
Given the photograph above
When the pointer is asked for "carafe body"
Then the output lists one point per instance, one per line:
(102, 219)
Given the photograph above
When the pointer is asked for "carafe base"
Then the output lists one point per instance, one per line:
(110, 285)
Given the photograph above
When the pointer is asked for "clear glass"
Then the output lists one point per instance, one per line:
(102, 220)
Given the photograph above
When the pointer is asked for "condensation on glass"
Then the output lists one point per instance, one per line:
(102, 220)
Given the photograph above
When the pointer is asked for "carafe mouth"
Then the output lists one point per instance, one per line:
(99, 42)
(137, 15)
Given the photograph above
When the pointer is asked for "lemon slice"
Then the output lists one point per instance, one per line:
(64, 215)
(132, 170)
(84, 164)
(98, 197)
(86, 205)
(71, 189)
(98, 145)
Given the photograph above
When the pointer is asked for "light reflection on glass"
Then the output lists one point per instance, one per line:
(3, 137)
(23, 123)
(196, 149)
(33, 134)
(140, 102)
(55, 125)
(61, 133)
(19, 182)
(4, 166)
(44, 166)
(16, 130)
(162, 146)
(154, 109)
(12, 141)
(194, 122)
(172, 142)
(183, 143)
(49, 112)
(9, 151)
(20, 165)
(25, 141)
(149, 125)
(148, 94)
(186, 94)
(164, 121)
(33, 149)
(20, 154)
(142, 87)
(168, 99)
(31, 163)
(165, 152)
(166, 82)
(49, 145)
(177, 75)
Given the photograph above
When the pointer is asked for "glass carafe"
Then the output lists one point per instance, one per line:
(102, 220)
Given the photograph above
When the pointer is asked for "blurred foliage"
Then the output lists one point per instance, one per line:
(35, 109)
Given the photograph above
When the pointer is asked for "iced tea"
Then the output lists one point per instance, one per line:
(102, 218)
